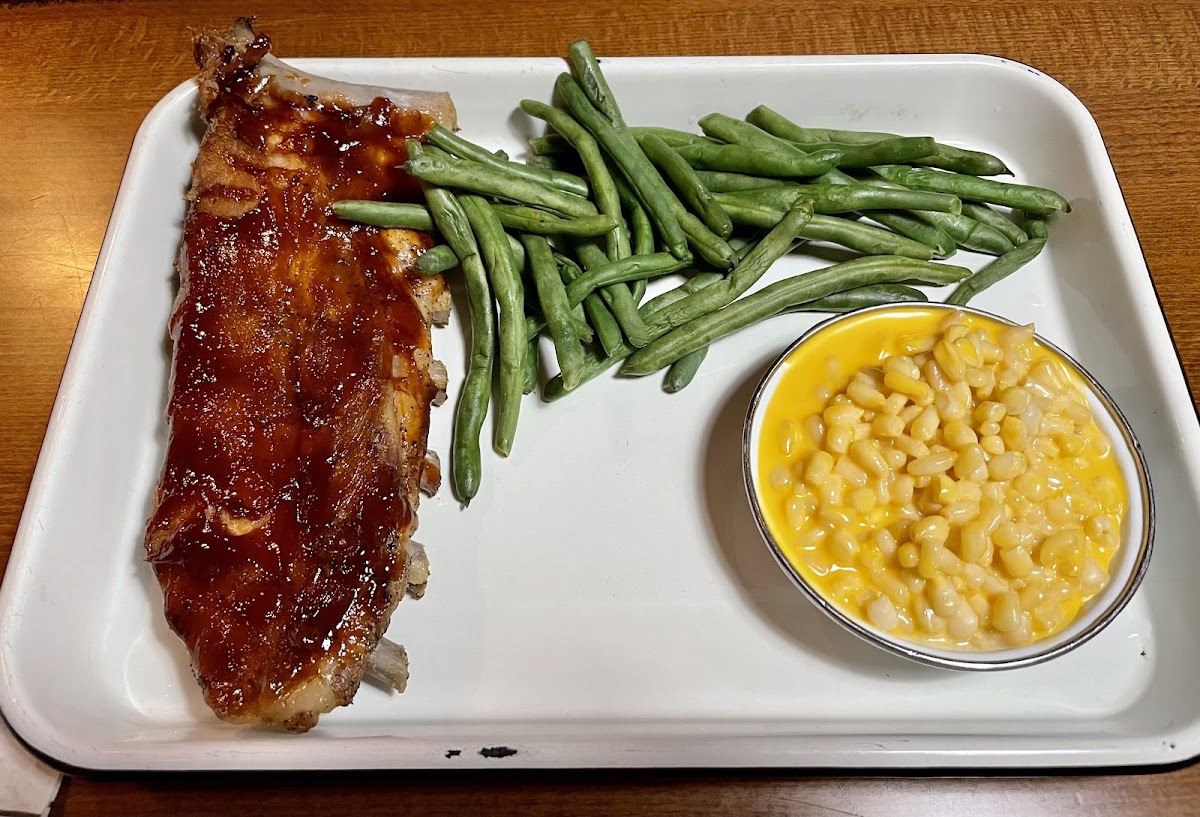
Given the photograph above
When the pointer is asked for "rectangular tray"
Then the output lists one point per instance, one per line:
(606, 600)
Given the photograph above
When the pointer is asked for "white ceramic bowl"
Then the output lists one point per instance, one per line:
(1125, 571)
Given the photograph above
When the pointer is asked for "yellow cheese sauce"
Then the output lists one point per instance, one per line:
(938, 475)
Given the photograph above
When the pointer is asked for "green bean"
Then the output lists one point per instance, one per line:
(740, 159)
(833, 198)
(592, 80)
(998, 270)
(616, 296)
(694, 284)
(889, 151)
(633, 268)
(549, 144)
(707, 244)
(938, 240)
(638, 170)
(547, 162)
(603, 187)
(944, 156)
(531, 220)
(532, 351)
(1036, 227)
(596, 365)
(455, 145)
(1037, 200)
(886, 151)
(385, 214)
(556, 307)
(641, 229)
(451, 172)
(863, 238)
(466, 463)
(510, 302)
(518, 252)
(534, 324)
(710, 246)
(997, 221)
(718, 181)
(765, 253)
(940, 243)
(691, 190)
(608, 331)
(772, 300)
(862, 297)
(683, 371)
(673, 137)
(966, 231)
(752, 213)
(437, 259)
(738, 132)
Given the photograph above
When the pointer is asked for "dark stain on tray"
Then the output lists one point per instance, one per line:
(497, 751)
(453, 752)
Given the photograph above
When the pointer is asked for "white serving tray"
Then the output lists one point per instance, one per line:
(606, 600)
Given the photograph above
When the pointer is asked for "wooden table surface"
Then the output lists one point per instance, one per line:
(76, 79)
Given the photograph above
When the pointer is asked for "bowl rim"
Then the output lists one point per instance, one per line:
(933, 656)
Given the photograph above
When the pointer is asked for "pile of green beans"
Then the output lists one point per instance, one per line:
(556, 252)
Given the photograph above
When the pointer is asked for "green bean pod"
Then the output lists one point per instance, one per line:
(683, 371)
(546, 162)
(691, 190)
(889, 151)
(940, 243)
(641, 230)
(624, 150)
(718, 181)
(532, 353)
(385, 214)
(861, 298)
(596, 364)
(741, 159)
(810, 286)
(765, 253)
(437, 259)
(997, 221)
(738, 132)
(944, 156)
(455, 145)
(472, 176)
(1036, 200)
(863, 238)
(556, 306)
(607, 200)
(938, 240)
(617, 297)
(633, 268)
(534, 324)
(531, 220)
(1036, 227)
(673, 137)
(829, 199)
(592, 80)
(510, 302)
(966, 231)
(998, 270)
(549, 145)
(466, 462)
(608, 331)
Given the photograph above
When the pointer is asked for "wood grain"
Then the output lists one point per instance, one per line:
(77, 78)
